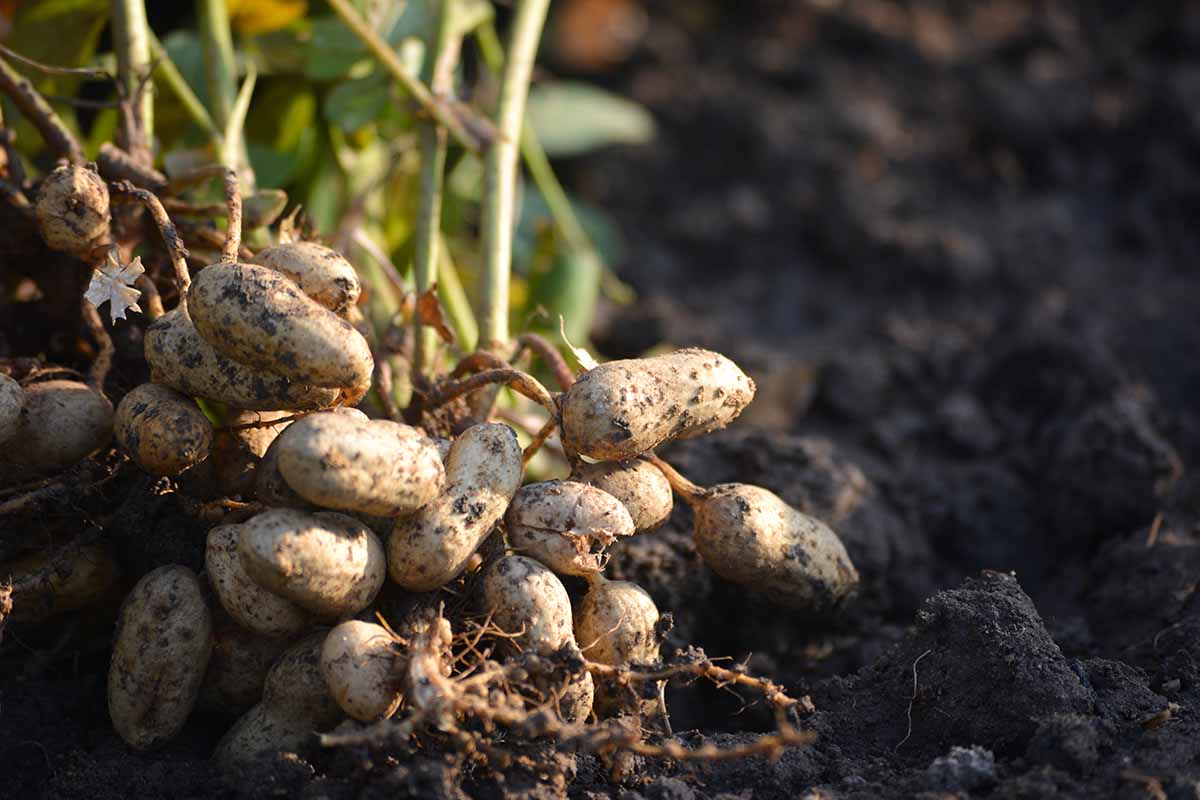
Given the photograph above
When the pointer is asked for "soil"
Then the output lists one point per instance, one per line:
(954, 245)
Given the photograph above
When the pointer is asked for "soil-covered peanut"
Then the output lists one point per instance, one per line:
(524, 597)
(269, 485)
(639, 485)
(45, 584)
(12, 400)
(750, 536)
(566, 525)
(62, 422)
(625, 408)
(429, 547)
(250, 605)
(295, 704)
(616, 623)
(160, 653)
(72, 210)
(237, 452)
(327, 563)
(363, 669)
(181, 358)
(374, 466)
(321, 272)
(261, 318)
(237, 668)
(164, 431)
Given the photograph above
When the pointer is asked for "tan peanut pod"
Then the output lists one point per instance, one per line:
(180, 357)
(616, 623)
(72, 210)
(327, 563)
(237, 452)
(269, 485)
(363, 669)
(247, 603)
(160, 653)
(45, 584)
(61, 423)
(524, 597)
(750, 536)
(12, 400)
(625, 408)
(374, 466)
(295, 704)
(164, 431)
(429, 547)
(639, 485)
(237, 668)
(321, 272)
(261, 318)
(566, 525)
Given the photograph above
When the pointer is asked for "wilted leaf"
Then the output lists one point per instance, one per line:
(114, 285)
(572, 118)
(430, 312)
(581, 355)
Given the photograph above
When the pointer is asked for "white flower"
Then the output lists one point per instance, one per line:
(114, 284)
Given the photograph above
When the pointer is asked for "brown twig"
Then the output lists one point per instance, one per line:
(117, 165)
(233, 202)
(54, 131)
(266, 423)
(151, 299)
(17, 199)
(125, 191)
(102, 363)
(692, 493)
(385, 387)
(550, 356)
(50, 69)
(479, 361)
(539, 439)
(82, 479)
(520, 382)
(209, 237)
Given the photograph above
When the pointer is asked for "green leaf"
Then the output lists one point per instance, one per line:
(572, 118)
(355, 103)
(332, 50)
(570, 290)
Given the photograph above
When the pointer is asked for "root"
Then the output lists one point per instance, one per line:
(233, 203)
(117, 165)
(493, 695)
(83, 479)
(17, 199)
(210, 237)
(550, 356)
(692, 493)
(124, 191)
(911, 701)
(539, 439)
(102, 363)
(520, 382)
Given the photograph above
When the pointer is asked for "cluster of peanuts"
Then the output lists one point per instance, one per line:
(283, 623)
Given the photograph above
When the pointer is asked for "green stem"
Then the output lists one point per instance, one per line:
(432, 142)
(131, 42)
(500, 171)
(219, 64)
(182, 90)
(561, 211)
(454, 299)
(472, 134)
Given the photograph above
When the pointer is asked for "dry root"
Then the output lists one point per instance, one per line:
(519, 696)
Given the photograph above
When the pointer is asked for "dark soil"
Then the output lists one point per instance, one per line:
(955, 245)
